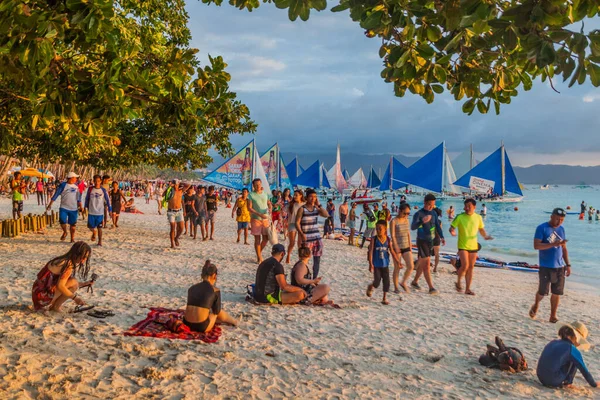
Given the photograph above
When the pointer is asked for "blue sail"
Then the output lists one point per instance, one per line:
(294, 170)
(311, 177)
(427, 171)
(373, 180)
(399, 174)
(346, 175)
(491, 169)
(386, 180)
(324, 180)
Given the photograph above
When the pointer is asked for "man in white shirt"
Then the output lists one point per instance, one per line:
(96, 201)
(70, 203)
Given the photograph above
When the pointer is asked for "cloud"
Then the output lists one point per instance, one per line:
(357, 92)
(262, 65)
(259, 85)
(590, 98)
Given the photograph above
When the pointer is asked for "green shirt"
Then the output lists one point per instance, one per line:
(260, 203)
(468, 226)
(16, 188)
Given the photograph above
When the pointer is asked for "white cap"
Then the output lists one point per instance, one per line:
(72, 175)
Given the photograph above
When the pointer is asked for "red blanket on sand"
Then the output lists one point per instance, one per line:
(167, 324)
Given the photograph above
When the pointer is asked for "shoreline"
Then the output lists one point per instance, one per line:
(420, 347)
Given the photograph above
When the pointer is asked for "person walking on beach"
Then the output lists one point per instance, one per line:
(468, 225)
(116, 196)
(158, 194)
(39, 191)
(352, 224)
(18, 187)
(426, 222)
(307, 223)
(175, 211)
(200, 205)
(50, 188)
(189, 212)
(343, 213)
(380, 249)
(106, 186)
(296, 203)
(70, 203)
(240, 209)
(259, 206)
(551, 243)
(401, 242)
(371, 218)
(211, 210)
(96, 201)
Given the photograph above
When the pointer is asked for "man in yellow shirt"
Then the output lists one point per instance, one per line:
(18, 188)
(468, 225)
(243, 215)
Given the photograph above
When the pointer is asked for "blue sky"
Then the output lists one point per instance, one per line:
(312, 84)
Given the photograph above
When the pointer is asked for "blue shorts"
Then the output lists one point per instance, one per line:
(67, 217)
(95, 221)
(242, 225)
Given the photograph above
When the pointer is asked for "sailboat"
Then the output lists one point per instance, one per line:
(373, 181)
(346, 175)
(464, 162)
(494, 174)
(294, 169)
(239, 171)
(358, 180)
(334, 175)
(314, 176)
(394, 176)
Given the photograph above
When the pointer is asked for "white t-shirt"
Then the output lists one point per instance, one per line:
(96, 200)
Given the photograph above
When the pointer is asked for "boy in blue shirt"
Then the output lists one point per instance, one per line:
(379, 260)
(551, 242)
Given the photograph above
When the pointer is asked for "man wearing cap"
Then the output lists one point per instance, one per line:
(70, 203)
(551, 242)
(270, 285)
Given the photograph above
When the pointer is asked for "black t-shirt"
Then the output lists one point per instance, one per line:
(203, 295)
(211, 202)
(266, 283)
(188, 199)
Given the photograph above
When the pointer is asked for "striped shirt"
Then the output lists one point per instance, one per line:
(310, 224)
(401, 233)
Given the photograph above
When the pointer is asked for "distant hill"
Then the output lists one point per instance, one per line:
(536, 174)
(558, 174)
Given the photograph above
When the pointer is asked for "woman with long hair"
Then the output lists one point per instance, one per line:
(204, 303)
(286, 198)
(292, 209)
(57, 282)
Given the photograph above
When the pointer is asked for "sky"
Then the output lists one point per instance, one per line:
(310, 85)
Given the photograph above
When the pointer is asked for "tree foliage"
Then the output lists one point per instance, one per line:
(483, 51)
(111, 83)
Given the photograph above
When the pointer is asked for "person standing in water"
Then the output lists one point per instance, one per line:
(468, 225)
(483, 210)
(427, 224)
(551, 243)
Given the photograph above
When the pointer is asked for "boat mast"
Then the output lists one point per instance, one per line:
(391, 173)
(503, 166)
(444, 167)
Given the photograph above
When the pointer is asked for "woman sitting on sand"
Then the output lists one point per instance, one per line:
(56, 282)
(204, 303)
(130, 207)
(302, 278)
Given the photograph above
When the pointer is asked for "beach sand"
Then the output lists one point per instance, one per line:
(421, 347)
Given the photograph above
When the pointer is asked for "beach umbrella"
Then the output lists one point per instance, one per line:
(32, 172)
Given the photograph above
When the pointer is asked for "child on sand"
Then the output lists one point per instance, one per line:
(379, 260)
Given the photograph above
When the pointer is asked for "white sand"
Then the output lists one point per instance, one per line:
(421, 347)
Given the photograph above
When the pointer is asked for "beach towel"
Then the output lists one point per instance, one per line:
(168, 324)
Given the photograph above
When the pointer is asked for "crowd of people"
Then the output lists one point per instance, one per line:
(295, 217)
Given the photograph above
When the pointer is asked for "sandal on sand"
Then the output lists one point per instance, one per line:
(385, 303)
(415, 285)
(470, 293)
(532, 313)
(83, 308)
(370, 290)
(458, 287)
(101, 314)
(553, 320)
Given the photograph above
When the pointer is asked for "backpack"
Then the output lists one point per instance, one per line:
(505, 358)
(370, 216)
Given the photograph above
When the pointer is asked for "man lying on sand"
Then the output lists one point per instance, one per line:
(203, 308)
(270, 284)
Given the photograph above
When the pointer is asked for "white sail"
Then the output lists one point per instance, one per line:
(259, 172)
(449, 177)
(358, 180)
(335, 176)
(463, 163)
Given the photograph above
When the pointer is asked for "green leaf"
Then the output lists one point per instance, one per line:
(437, 88)
(567, 68)
(433, 33)
(372, 21)
(560, 35)
(440, 73)
(468, 106)
(453, 15)
(444, 60)
(594, 72)
(454, 42)
(341, 7)
(425, 51)
(481, 107)
(510, 40)
(499, 23)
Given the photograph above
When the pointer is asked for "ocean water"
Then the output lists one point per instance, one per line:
(513, 230)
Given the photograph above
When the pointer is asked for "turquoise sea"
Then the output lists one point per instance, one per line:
(513, 230)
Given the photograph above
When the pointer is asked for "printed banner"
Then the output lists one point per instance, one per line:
(269, 163)
(481, 185)
(284, 178)
(235, 173)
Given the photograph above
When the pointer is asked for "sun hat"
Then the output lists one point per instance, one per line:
(581, 332)
(72, 175)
